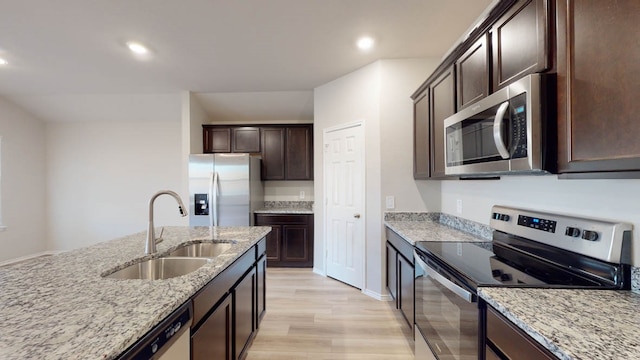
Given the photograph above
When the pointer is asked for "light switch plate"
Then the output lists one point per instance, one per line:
(391, 202)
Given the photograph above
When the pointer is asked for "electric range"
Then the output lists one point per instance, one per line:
(529, 249)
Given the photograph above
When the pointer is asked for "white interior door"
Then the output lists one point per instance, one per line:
(344, 203)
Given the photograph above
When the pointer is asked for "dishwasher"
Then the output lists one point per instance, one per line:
(169, 340)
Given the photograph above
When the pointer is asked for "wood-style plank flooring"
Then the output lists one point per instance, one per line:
(316, 318)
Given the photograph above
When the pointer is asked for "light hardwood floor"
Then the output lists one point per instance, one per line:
(317, 318)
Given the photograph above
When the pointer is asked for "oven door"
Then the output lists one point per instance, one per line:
(447, 313)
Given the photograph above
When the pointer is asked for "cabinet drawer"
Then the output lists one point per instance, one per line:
(267, 219)
(401, 245)
(512, 342)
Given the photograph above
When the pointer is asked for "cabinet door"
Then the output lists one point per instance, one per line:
(405, 289)
(216, 139)
(472, 70)
(296, 248)
(520, 42)
(246, 140)
(273, 153)
(392, 272)
(421, 136)
(299, 153)
(244, 312)
(261, 289)
(598, 86)
(213, 339)
(443, 105)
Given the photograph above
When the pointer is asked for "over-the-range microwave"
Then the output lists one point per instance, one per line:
(511, 131)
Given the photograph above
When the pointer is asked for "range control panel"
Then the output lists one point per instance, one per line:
(598, 238)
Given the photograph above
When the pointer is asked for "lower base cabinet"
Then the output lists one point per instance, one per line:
(212, 340)
(400, 275)
(290, 243)
(227, 311)
(505, 340)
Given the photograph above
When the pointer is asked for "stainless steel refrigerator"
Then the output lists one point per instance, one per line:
(224, 189)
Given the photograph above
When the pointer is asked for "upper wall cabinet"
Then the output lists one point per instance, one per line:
(443, 105)
(520, 41)
(287, 152)
(598, 88)
(225, 139)
(473, 73)
(421, 151)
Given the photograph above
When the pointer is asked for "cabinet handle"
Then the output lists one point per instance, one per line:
(357, 216)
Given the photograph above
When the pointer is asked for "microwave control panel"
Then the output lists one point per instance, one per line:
(518, 126)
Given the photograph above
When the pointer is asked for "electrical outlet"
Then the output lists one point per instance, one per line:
(391, 202)
(301, 195)
(459, 206)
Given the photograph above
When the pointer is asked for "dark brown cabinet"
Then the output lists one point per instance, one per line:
(421, 151)
(227, 311)
(230, 139)
(287, 152)
(273, 153)
(443, 98)
(216, 139)
(598, 54)
(212, 340)
(290, 243)
(400, 275)
(520, 41)
(246, 140)
(507, 340)
(472, 71)
(244, 307)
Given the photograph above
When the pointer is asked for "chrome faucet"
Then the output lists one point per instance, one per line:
(150, 246)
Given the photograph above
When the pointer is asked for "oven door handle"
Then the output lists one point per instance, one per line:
(497, 130)
(464, 294)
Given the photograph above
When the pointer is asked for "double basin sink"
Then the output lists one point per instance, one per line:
(180, 261)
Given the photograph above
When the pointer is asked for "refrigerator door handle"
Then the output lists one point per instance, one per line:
(214, 198)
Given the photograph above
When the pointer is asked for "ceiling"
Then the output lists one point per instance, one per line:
(68, 61)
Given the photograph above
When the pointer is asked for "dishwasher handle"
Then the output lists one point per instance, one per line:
(456, 289)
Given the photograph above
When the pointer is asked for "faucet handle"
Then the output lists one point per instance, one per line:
(159, 238)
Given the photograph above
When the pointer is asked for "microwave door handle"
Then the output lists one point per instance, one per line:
(497, 130)
(464, 294)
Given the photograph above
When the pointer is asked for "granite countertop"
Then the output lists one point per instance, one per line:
(286, 207)
(59, 307)
(415, 227)
(574, 324)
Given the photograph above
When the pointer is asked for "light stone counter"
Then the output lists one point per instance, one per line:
(59, 307)
(286, 207)
(414, 227)
(574, 324)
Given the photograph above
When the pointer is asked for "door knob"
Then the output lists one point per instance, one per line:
(357, 216)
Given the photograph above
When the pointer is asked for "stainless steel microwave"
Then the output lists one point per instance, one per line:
(506, 132)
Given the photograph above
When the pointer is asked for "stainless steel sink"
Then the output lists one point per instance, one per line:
(159, 269)
(202, 250)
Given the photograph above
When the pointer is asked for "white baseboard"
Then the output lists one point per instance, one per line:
(318, 271)
(377, 296)
(28, 257)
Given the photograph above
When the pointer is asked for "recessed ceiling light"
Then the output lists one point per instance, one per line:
(3, 62)
(365, 43)
(137, 48)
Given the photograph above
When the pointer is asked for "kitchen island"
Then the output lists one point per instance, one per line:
(60, 307)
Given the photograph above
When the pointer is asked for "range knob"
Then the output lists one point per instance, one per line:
(572, 231)
(504, 217)
(496, 273)
(590, 235)
(505, 277)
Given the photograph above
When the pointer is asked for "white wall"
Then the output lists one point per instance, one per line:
(23, 182)
(400, 78)
(609, 199)
(288, 190)
(102, 175)
(378, 95)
